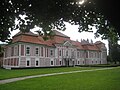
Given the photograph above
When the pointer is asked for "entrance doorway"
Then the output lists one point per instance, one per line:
(67, 62)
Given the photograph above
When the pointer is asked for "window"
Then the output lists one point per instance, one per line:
(47, 52)
(92, 55)
(95, 54)
(51, 63)
(60, 53)
(78, 62)
(15, 51)
(72, 54)
(78, 55)
(98, 55)
(73, 62)
(22, 50)
(37, 63)
(92, 61)
(28, 63)
(41, 51)
(96, 61)
(60, 62)
(86, 54)
(28, 50)
(37, 51)
(12, 51)
(66, 53)
(83, 62)
(51, 52)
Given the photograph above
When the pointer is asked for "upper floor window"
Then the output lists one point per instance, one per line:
(15, 51)
(12, 51)
(78, 54)
(95, 54)
(28, 50)
(41, 51)
(72, 53)
(47, 52)
(37, 51)
(51, 52)
(66, 53)
(60, 53)
(86, 54)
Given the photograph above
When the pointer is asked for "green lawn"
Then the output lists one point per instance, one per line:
(5, 74)
(95, 80)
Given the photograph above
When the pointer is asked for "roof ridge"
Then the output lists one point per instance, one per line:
(25, 33)
(57, 33)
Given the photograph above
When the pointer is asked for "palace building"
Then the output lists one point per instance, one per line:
(31, 50)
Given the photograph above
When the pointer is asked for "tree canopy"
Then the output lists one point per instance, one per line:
(51, 14)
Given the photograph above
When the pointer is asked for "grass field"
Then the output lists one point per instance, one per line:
(95, 80)
(6, 74)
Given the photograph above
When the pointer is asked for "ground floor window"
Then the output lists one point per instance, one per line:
(51, 63)
(60, 62)
(83, 62)
(37, 63)
(92, 61)
(28, 63)
(78, 62)
(96, 62)
(73, 62)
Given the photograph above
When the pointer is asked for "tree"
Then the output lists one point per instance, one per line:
(113, 45)
(50, 14)
(115, 53)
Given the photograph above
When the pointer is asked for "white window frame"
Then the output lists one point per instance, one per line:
(51, 52)
(38, 63)
(60, 63)
(38, 50)
(28, 59)
(51, 61)
(26, 50)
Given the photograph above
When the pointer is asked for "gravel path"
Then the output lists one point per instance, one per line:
(52, 74)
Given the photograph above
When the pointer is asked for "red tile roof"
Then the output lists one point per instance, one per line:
(27, 38)
(26, 33)
(57, 39)
(77, 44)
(91, 47)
